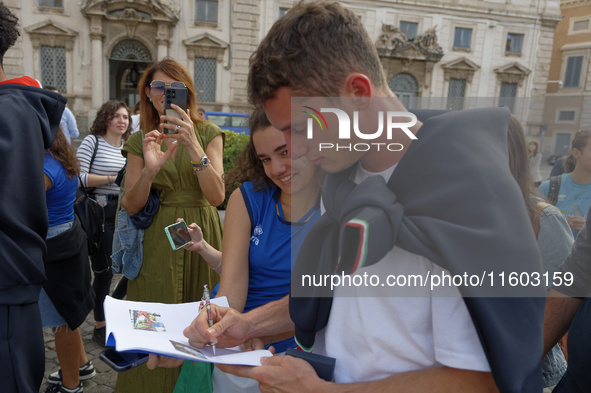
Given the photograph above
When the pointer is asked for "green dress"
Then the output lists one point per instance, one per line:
(169, 276)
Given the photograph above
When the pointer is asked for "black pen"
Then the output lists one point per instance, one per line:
(208, 307)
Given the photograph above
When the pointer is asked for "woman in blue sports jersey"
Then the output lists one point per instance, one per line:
(262, 227)
(66, 297)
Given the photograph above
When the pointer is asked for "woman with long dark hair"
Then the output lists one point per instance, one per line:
(66, 297)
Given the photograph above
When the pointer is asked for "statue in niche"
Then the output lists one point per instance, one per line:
(130, 13)
(428, 41)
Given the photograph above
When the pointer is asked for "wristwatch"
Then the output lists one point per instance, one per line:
(197, 166)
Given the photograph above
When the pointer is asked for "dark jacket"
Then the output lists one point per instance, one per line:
(68, 275)
(464, 214)
(29, 121)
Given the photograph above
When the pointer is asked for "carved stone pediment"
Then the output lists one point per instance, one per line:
(512, 73)
(205, 45)
(395, 44)
(129, 15)
(139, 10)
(50, 33)
(461, 68)
(410, 52)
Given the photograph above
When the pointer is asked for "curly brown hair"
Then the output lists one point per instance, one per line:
(149, 118)
(312, 49)
(248, 166)
(105, 114)
(62, 151)
(8, 30)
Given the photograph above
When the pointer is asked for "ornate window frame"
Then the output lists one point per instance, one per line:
(50, 33)
(207, 46)
(511, 73)
(460, 68)
(468, 48)
(205, 23)
(575, 19)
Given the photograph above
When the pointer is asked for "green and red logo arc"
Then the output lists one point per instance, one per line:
(317, 116)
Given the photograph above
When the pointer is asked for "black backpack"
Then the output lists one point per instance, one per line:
(90, 213)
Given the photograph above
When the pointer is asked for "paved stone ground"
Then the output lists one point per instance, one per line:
(104, 381)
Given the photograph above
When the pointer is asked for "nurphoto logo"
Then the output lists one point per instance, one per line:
(387, 121)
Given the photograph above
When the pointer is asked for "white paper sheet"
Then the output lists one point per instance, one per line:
(158, 328)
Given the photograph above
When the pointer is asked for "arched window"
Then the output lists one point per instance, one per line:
(406, 88)
(131, 50)
(127, 62)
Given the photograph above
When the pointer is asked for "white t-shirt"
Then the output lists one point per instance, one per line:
(135, 123)
(373, 338)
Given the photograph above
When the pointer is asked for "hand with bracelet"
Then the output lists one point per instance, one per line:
(183, 132)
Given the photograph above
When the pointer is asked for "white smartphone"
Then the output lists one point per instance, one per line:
(178, 235)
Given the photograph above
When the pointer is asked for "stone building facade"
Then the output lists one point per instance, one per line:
(440, 54)
(568, 100)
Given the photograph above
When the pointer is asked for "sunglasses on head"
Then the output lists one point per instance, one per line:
(158, 86)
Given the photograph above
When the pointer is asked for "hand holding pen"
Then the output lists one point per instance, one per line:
(208, 307)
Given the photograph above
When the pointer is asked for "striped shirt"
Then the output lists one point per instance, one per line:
(108, 162)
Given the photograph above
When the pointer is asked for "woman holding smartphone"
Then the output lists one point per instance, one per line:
(186, 167)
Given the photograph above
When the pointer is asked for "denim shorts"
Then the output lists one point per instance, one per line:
(50, 317)
(57, 229)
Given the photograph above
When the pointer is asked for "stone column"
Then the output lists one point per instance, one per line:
(244, 40)
(162, 40)
(98, 85)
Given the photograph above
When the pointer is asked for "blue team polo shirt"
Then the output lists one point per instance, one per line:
(271, 242)
(574, 199)
(62, 194)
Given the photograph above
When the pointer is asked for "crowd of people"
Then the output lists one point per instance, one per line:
(296, 210)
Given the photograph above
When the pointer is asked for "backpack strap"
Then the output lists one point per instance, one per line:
(89, 166)
(554, 188)
(93, 153)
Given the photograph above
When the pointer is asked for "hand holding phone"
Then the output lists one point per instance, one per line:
(122, 361)
(177, 96)
(178, 235)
